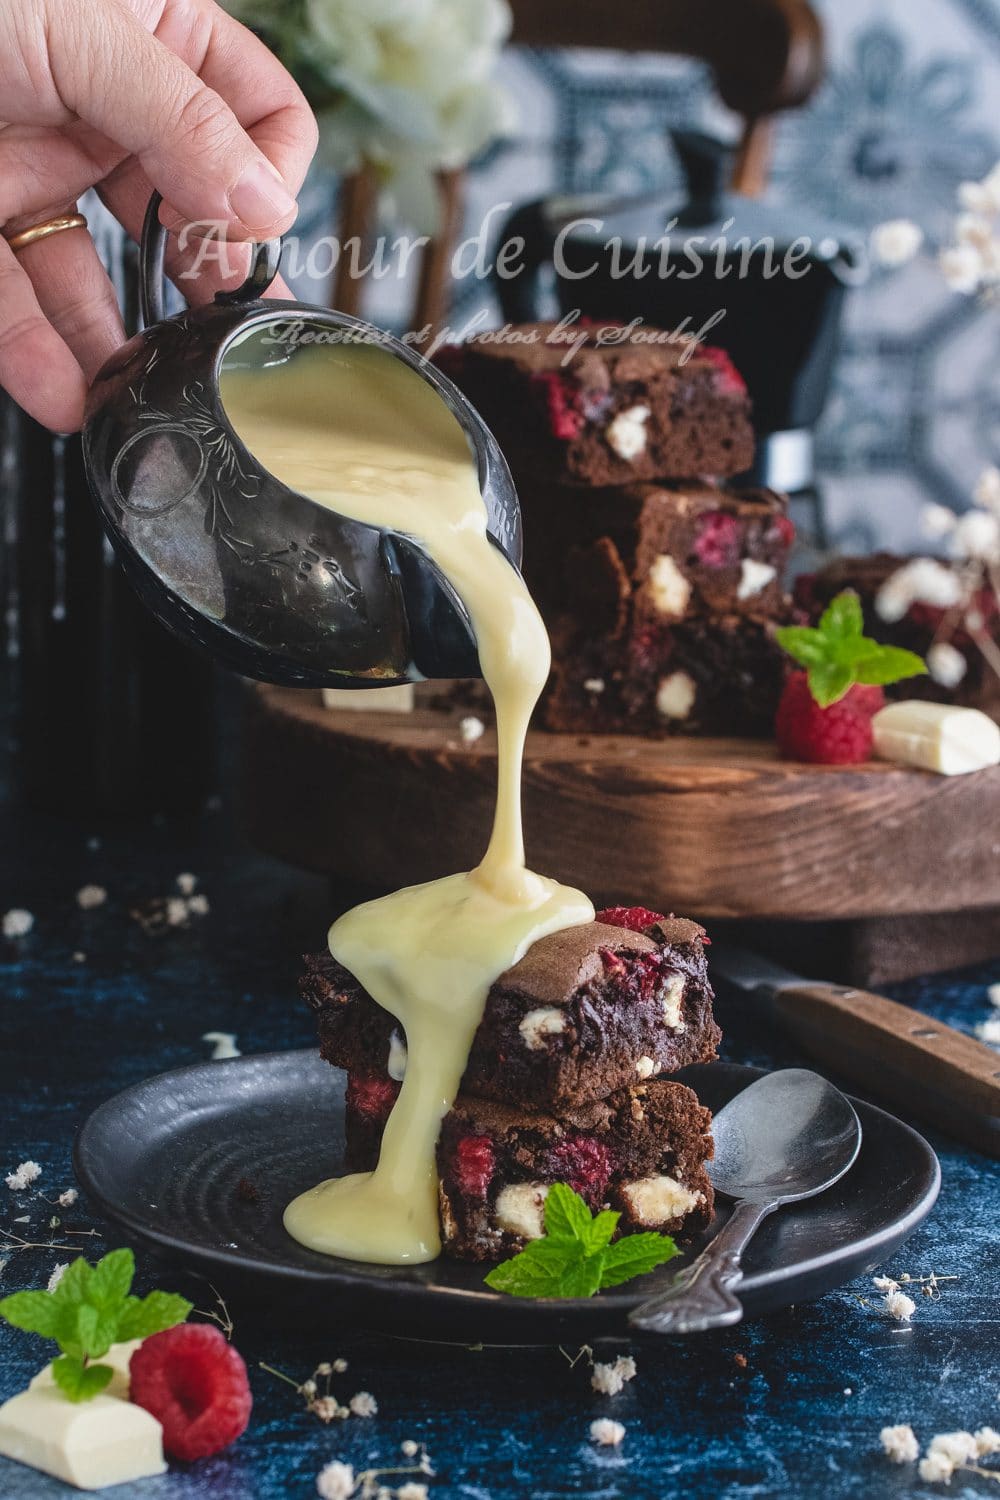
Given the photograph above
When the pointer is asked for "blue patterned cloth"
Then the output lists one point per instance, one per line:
(92, 1003)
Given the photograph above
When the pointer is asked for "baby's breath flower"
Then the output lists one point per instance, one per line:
(186, 884)
(412, 1491)
(68, 1198)
(17, 922)
(608, 1379)
(885, 1284)
(899, 1306)
(408, 1448)
(325, 1368)
(987, 1441)
(326, 1408)
(977, 536)
(606, 1433)
(946, 664)
(339, 1366)
(58, 1272)
(308, 1387)
(900, 1444)
(89, 896)
(471, 729)
(23, 1176)
(962, 268)
(957, 1447)
(987, 491)
(896, 242)
(936, 1469)
(335, 1481)
(989, 1031)
(993, 995)
(937, 520)
(364, 1404)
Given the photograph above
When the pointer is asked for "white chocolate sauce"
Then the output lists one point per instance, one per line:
(358, 431)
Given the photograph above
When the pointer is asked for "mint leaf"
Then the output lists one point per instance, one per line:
(889, 664)
(803, 644)
(842, 617)
(566, 1214)
(78, 1381)
(549, 1268)
(601, 1229)
(75, 1283)
(112, 1278)
(634, 1255)
(829, 682)
(153, 1314)
(34, 1312)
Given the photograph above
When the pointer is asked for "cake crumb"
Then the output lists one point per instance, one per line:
(740, 1360)
(58, 1272)
(899, 1444)
(364, 1404)
(23, 1176)
(248, 1192)
(606, 1433)
(17, 922)
(90, 896)
(224, 1045)
(471, 729)
(609, 1379)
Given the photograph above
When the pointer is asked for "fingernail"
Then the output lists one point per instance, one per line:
(260, 198)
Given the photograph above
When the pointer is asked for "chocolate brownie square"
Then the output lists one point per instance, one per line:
(713, 676)
(643, 1151)
(672, 551)
(586, 1011)
(605, 405)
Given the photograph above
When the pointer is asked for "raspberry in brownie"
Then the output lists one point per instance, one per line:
(671, 551)
(642, 1151)
(586, 1011)
(717, 676)
(615, 408)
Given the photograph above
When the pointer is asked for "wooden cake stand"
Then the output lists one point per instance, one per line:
(713, 828)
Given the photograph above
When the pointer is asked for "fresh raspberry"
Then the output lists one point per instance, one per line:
(195, 1384)
(635, 918)
(565, 422)
(473, 1165)
(371, 1095)
(583, 1164)
(840, 735)
(784, 529)
(717, 544)
(728, 380)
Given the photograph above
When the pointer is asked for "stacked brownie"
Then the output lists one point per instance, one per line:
(569, 1080)
(660, 586)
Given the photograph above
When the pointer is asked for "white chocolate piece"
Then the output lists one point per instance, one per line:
(669, 591)
(675, 695)
(657, 1200)
(89, 1444)
(536, 1025)
(627, 435)
(936, 737)
(672, 996)
(754, 577)
(118, 1357)
(396, 1066)
(520, 1209)
(397, 699)
(645, 1067)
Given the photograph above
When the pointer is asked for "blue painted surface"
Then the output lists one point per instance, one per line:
(497, 1423)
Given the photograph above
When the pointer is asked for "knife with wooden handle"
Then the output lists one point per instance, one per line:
(919, 1065)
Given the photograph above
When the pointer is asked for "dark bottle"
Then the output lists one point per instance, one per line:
(113, 716)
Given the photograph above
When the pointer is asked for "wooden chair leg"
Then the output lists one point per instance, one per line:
(753, 159)
(356, 222)
(434, 288)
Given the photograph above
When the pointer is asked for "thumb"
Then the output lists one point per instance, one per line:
(114, 74)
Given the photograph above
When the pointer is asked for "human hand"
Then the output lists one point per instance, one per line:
(126, 96)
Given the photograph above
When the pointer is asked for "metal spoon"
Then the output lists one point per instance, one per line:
(787, 1137)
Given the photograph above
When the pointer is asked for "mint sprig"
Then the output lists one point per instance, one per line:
(89, 1310)
(576, 1258)
(837, 653)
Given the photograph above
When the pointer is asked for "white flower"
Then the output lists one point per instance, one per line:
(23, 1176)
(89, 896)
(899, 1306)
(937, 520)
(17, 922)
(339, 1366)
(327, 1407)
(936, 1469)
(963, 268)
(987, 1441)
(198, 905)
(923, 580)
(325, 1368)
(900, 1444)
(606, 1433)
(956, 1447)
(412, 1491)
(987, 491)
(186, 884)
(176, 911)
(68, 1198)
(896, 242)
(408, 1448)
(982, 197)
(989, 1031)
(224, 1045)
(308, 1387)
(471, 730)
(335, 1481)
(977, 536)
(58, 1272)
(993, 995)
(364, 1404)
(608, 1379)
(885, 1284)
(946, 664)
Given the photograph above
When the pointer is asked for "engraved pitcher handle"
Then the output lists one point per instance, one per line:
(153, 247)
(703, 1294)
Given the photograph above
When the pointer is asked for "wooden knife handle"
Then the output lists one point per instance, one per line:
(924, 1068)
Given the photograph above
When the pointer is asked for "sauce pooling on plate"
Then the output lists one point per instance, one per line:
(358, 431)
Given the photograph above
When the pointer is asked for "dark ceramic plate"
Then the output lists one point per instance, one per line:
(170, 1160)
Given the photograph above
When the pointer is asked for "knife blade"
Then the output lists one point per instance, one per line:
(920, 1066)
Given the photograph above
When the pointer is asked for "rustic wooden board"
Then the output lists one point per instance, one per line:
(713, 828)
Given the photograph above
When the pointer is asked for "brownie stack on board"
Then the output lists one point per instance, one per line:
(570, 1079)
(660, 586)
